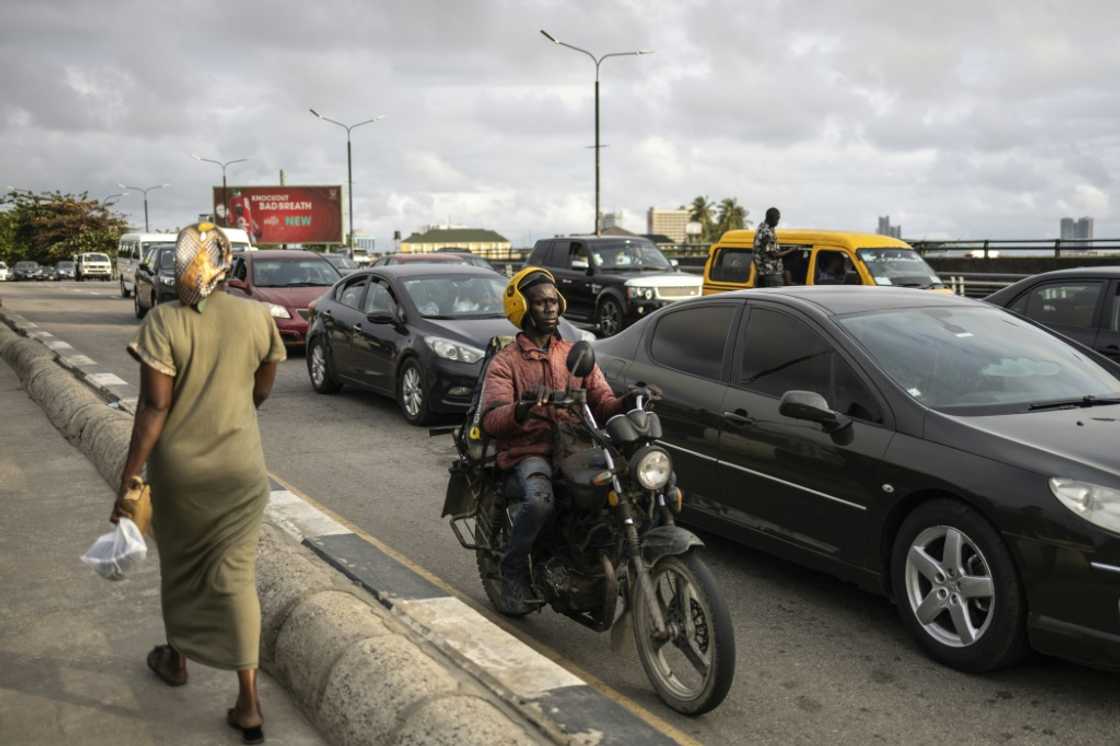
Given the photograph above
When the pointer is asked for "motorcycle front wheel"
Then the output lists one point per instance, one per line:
(692, 671)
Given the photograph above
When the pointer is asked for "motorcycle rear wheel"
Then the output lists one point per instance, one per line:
(693, 670)
(492, 530)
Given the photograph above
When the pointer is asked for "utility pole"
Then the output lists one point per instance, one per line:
(349, 168)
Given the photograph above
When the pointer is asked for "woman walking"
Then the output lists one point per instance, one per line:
(206, 363)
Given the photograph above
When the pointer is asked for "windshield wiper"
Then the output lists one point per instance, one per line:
(301, 285)
(1085, 401)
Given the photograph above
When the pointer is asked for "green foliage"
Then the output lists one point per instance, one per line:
(730, 216)
(50, 226)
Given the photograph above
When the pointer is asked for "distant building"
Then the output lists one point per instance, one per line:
(480, 241)
(1072, 230)
(611, 220)
(362, 241)
(616, 230)
(886, 229)
(669, 223)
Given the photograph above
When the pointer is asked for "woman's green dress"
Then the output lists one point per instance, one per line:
(207, 473)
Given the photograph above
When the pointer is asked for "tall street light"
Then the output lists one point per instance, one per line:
(220, 219)
(598, 62)
(105, 200)
(145, 190)
(349, 166)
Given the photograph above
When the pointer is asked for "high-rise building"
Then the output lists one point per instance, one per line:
(1071, 230)
(886, 229)
(669, 223)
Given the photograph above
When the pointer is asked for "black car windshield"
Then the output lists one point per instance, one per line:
(900, 267)
(628, 255)
(26, 265)
(978, 361)
(283, 273)
(456, 296)
(167, 260)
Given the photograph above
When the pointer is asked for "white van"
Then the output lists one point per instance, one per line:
(132, 249)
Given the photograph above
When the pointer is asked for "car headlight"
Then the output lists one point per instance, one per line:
(652, 468)
(449, 350)
(639, 293)
(1096, 504)
(167, 280)
(278, 312)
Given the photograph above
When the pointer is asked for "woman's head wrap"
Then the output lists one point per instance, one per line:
(202, 258)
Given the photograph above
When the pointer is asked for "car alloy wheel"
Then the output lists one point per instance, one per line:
(319, 368)
(410, 393)
(609, 317)
(957, 588)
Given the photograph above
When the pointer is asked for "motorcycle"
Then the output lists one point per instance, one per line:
(613, 550)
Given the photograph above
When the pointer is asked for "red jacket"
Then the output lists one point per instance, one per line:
(522, 367)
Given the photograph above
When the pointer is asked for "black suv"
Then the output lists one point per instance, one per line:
(612, 281)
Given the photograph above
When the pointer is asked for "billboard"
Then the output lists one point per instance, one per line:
(282, 214)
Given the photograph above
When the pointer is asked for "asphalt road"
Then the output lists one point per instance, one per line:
(818, 661)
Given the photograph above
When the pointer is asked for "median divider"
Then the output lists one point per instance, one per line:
(374, 649)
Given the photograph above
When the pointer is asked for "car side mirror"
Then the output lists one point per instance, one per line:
(381, 317)
(675, 262)
(812, 407)
(581, 359)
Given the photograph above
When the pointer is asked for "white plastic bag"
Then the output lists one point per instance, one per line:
(114, 553)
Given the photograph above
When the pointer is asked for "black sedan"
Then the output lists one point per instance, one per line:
(416, 332)
(64, 270)
(27, 271)
(155, 280)
(958, 458)
(1082, 303)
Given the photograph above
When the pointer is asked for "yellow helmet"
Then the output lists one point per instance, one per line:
(514, 300)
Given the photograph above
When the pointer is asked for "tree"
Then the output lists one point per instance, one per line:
(732, 216)
(49, 226)
(700, 211)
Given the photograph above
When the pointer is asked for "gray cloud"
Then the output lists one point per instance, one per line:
(995, 119)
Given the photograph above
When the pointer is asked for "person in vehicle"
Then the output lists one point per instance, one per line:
(519, 419)
(768, 254)
(833, 271)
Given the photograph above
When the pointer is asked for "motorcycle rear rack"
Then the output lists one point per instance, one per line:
(465, 529)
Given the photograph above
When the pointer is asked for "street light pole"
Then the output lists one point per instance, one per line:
(225, 197)
(349, 168)
(107, 197)
(145, 190)
(598, 63)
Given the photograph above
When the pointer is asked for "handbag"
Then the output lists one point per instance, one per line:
(137, 504)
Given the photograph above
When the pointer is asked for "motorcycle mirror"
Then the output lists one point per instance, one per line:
(581, 359)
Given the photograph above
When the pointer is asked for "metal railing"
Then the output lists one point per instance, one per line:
(989, 248)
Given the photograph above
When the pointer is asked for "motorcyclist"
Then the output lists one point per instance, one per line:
(518, 418)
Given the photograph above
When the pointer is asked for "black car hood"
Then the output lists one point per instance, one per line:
(478, 332)
(1057, 442)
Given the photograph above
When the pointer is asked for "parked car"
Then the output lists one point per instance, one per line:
(132, 250)
(93, 265)
(430, 257)
(5, 275)
(344, 264)
(154, 280)
(821, 258)
(927, 446)
(1082, 303)
(27, 271)
(611, 281)
(361, 257)
(65, 270)
(287, 281)
(416, 332)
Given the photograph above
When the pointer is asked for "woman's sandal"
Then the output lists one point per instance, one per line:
(252, 734)
(159, 660)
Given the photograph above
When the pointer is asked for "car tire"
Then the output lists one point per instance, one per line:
(77, 277)
(140, 311)
(608, 317)
(411, 396)
(320, 368)
(957, 588)
(124, 290)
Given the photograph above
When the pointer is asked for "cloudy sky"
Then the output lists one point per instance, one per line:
(960, 120)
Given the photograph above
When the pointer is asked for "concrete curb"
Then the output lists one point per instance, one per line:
(434, 669)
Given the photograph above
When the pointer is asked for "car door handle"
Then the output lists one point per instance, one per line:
(739, 417)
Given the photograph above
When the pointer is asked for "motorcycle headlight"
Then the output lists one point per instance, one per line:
(278, 312)
(652, 468)
(456, 351)
(1096, 504)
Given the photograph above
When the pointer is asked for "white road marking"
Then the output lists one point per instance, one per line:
(515, 665)
(79, 360)
(299, 519)
(58, 344)
(107, 379)
(40, 335)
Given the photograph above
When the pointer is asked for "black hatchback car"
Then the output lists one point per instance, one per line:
(612, 281)
(416, 332)
(155, 280)
(1082, 303)
(940, 450)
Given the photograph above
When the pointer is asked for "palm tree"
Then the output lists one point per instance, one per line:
(700, 211)
(732, 216)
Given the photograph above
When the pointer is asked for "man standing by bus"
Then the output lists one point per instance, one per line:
(769, 272)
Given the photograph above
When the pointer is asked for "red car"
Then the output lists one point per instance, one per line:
(287, 282)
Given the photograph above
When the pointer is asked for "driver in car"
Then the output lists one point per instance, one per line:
(519, 419)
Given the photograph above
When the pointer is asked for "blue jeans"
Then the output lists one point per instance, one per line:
(534, 481)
